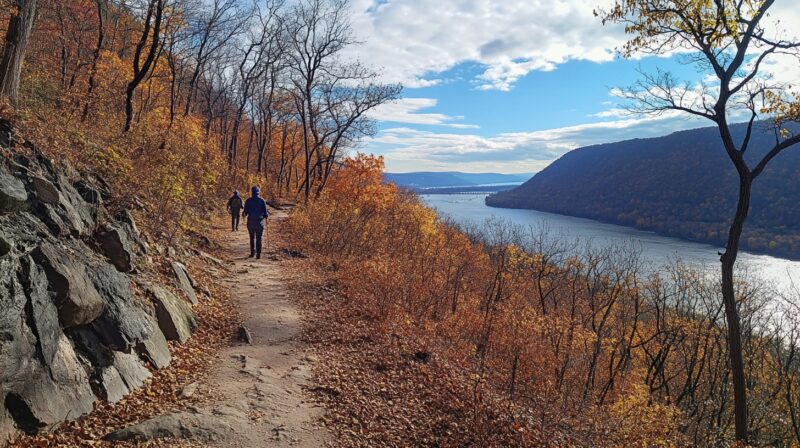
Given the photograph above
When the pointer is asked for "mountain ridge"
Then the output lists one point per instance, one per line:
(681, 185)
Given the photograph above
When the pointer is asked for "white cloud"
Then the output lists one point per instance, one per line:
(785, 69)
(503, 74)
(407, 149)
(614, 112)
(416, 40)
(407, 110)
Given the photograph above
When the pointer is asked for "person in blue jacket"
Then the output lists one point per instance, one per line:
(256, 212)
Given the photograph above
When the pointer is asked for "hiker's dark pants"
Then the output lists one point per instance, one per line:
(235, 221)
(256, 232)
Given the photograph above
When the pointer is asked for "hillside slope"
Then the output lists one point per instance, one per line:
(680, 185)
(85, 312)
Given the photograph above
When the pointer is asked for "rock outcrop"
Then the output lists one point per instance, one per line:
(205, 427)
(175, 317)
(185, 281)
(73, 330)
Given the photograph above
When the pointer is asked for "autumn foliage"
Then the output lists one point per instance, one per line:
(176, 102)
(169, 167)
(567, 344)
(545, 342)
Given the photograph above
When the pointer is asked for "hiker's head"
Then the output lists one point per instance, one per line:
(256, 191)
(236, 193)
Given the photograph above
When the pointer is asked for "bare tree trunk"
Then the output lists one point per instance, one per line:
(282, 166)
(62, 37)
(20, 26)
(728, 260)
(249, 148)
(307, 150)
(100, 4)
(155, 13)
(513, 382)
(174, 87)
(233, 147)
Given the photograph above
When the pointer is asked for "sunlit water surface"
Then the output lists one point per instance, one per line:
(656, 250)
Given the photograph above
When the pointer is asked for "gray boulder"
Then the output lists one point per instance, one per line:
(79, 213)
(180, 425)
(185, 281)
(124, 216)
(72, 328)
(5, 246)
(49, 384)
(115, 245)
(49, 216)
(125, 221)
(110, 385)
(55, 195)
(59, 392)
(13, 196)
(116, 374)
(45, 190)
(89, 346)
(124, 321)
(89, 192)
(155, 349)
(123, 376)
(43, 313)
(77, 300)
(18, 351)
(131, 369)
(175, 318)
(7, 428)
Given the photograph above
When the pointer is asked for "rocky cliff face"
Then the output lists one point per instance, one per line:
(80, 319)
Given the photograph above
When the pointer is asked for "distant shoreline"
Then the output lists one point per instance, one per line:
(474, 189)
(783, 256)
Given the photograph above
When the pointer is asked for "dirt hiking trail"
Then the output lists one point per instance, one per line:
(264, 380)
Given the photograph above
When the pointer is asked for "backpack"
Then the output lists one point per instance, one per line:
(235, 202)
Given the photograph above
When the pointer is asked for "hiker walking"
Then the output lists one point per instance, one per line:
(235, 206)
(256, 211)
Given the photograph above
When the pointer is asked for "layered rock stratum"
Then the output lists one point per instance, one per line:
(83, 316)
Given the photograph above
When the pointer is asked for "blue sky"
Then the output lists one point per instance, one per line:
(507, 86)
(565, 96)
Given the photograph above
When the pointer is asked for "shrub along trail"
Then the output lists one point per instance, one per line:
(386, 385)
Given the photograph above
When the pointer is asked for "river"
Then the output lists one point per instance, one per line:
(656, 250)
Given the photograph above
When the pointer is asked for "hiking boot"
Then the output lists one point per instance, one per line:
(252, 254)
(258, 255)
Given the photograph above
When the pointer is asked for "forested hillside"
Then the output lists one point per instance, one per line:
(529, 340)
(681, 185)
(175, 99)
(166, 106)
